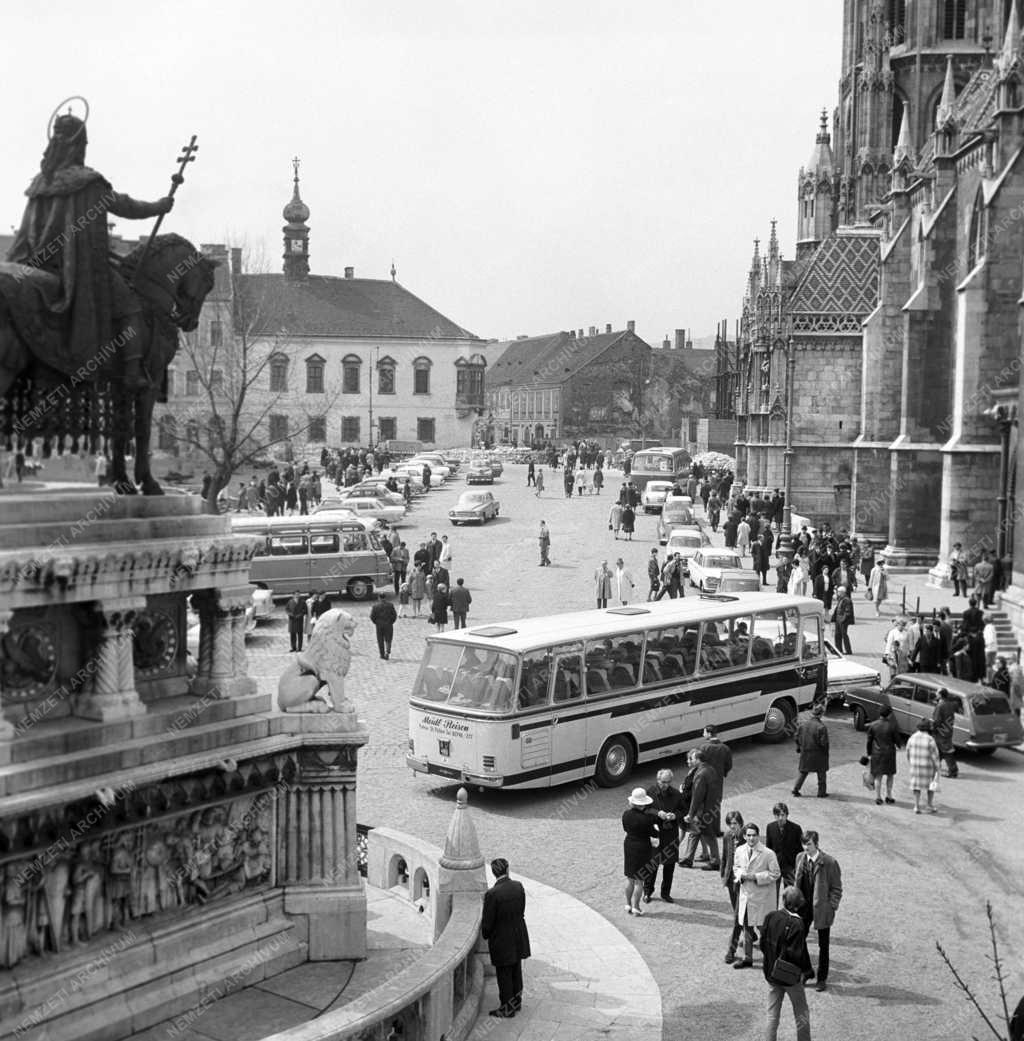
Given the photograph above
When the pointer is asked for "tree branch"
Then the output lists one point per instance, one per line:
(963, 986)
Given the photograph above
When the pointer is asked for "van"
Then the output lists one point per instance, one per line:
(314, 554)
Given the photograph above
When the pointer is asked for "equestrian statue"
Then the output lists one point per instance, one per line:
(86, 335)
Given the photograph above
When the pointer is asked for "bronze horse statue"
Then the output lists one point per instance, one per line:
(172, 280)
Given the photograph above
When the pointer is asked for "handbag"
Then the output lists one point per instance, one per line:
(933, 784)
(868, 780)
(785, 973)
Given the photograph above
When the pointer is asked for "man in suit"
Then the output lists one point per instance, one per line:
(296, 609)
(842, 618)
(504, 928)
(820, 881)
(812, 746)
(927, 655)
(703, 818)
(716, 752)
(668, 807)
(785, 839)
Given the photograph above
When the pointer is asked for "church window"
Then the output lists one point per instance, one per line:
(897, 22)
(217, 381)
(954, 17)
(192, 433)
(317, 430)
(977, 242)
(350, 366)
(279, 373)
(315, 375)
(386, 376)
(421, 378)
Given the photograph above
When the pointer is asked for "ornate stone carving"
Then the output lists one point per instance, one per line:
(155, 642)
(112, 693)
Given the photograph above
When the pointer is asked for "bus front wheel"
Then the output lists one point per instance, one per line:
(359, 589)
(615, 763)
(778, 722)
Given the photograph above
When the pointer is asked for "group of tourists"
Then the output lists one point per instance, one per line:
(283, 493)
(347, 466)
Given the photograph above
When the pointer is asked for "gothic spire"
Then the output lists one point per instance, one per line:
(903, 149)
(755, 263)
(773, 244)
(820, 163)
(947, 104)
(1011, 42)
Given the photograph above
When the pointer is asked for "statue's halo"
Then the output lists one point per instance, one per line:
(56, 112)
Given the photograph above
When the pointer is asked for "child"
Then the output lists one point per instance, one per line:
(403, 599)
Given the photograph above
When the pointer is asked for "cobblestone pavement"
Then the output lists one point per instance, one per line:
(909, 881)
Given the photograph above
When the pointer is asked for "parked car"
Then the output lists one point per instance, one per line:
(685, 542)
(497, 466)
(739, 582)
(337, 510)
(983, 722)
(262, 605)
(652, 498)
(372, 490)
(844, 674)
(366, 507)
(707, 565)
(480, 472)
(435, 462)
(674, 514)
(474, 508)
(415, 472)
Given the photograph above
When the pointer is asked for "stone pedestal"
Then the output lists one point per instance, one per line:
(112, 694)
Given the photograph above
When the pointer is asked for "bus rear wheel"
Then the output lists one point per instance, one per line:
(359, 589)
(778, 722)
(615, 761)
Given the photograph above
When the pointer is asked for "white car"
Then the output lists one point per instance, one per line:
(262, 605)
(685, 542)
(372, 490)
(707, 565)
(436, 463)
(474, 507)
(367, 507)
(844, 673)
(741, 582)
(332, 509)
(652, 498)
(415, 472)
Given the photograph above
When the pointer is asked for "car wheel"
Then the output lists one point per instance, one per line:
(984, 751)
(615, 761)
(778, 721)
(360, 588)
(860, 718)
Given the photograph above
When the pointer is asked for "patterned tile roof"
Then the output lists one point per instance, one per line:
(841, 277)
(552, 358)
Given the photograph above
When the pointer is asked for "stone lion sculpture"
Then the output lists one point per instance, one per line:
(315, 678)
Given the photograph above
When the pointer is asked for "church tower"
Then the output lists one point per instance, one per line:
(296, 233)
(815, 202)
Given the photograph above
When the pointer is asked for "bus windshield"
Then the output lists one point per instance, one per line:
(466, 677)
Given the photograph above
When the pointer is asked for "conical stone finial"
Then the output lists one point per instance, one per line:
(1011, 42)
(947, 103)
(903, 149)
(461, 848)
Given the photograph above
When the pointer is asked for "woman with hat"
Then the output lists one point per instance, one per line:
(641, 834)
(923, 756)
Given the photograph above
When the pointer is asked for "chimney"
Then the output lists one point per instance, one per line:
(608, 327)
(350, 272)
(593, 331)
(631, 326)
(680, 339)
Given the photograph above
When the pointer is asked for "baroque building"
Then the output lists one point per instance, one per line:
(898, 318)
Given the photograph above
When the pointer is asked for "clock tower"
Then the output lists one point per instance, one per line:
(296, 232)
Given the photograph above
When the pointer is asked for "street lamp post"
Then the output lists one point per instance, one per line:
(785, 547)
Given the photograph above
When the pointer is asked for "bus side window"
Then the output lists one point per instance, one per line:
(323, 544)
(262, 548)
(812, 638)
(714, 651)
(568, 684)
(355, 541)
(533, 680)
(288, 545)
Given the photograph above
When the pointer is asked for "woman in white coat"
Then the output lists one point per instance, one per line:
(756, 871)
(878, 586)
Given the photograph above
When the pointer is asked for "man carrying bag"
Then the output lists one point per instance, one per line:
(786, 964)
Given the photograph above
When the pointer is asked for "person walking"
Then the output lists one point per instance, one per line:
(842, 619)
(383, 615)
(820, 882)
(942, 731)
(439, 606)
(581, 481)
(755, 871)
(703, 817)
(544, 541)
(531, 474)
(628, 522)
(984, 574)
(786, 964)
(460, 598)
(403, 599)
(641, 835)
(539, 483)
(503, 926)
(731, 840)
(785, 839)
(653, 574)
(615, 518)
(417, 590)
(743, 537)
(598, 480)
(991, 638)
(622, 584)
(716, 752)
(295, 609)
(883, 742)
(444, 556)
(603, 584)
(812, 746)
(958, 569)
(924, 761)
(399, 564)
(878, 586)
(668, 809)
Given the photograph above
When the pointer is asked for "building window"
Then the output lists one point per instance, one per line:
(192, 433)
(469, 384)
(278, 428)
(167, 434)
(977, 243)
(216, 381)
(315, 375)
(388, 428)
(350, 429)
(350, 366)
(421, 377)
(192, 383)
(278, 373)
(216, 333)
(386, 376)
(954, 13)
(317, 430)
(425, 431)
(897, 22)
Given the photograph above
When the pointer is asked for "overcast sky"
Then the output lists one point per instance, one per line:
(530, 165)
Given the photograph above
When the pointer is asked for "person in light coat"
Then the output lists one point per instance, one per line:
(756, 871)
(878, 586)
(603, 584)
(615, 518)
(623, 585)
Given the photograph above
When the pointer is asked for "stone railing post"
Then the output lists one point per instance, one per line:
(318, 866)
(111, 694)
(222, 670)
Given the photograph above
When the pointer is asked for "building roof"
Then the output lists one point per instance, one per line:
(552, 358)
(841, 277)
(322, 305)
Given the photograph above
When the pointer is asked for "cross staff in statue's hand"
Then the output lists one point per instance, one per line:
(187, 156)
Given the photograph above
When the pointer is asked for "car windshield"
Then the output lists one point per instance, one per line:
(468, 500)
(991, 703)
(726, 562)
(466, 677)
(685, 541)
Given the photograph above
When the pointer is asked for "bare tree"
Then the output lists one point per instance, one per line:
(249, 370)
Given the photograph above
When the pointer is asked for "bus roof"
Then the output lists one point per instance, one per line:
(321, 521)
(660, 450)
(526, 634)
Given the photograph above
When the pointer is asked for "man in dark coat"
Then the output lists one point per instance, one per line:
(703, 818)
(843, 619)
(927, 655)
(783, 937)
(942, 731)
(820, 881)
(296, 610)
(383, 615)
(716, 752)
(668, 807)
(812, 745)
(784, 838)
(503, 926)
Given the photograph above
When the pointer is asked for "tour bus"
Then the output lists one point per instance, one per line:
(659, 464)
(542, 701)
(308, 554)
